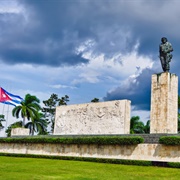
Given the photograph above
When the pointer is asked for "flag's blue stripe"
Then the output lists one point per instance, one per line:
(16, 101)
(12, 95)
(6, 102)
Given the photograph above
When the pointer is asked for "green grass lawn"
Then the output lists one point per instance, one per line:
(42, 169)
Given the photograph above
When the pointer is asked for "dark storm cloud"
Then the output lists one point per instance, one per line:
(113, 26)
(138, 91)
(45, 37)
(87, 20)
(67, 24)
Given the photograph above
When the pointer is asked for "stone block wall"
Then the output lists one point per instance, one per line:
(151, 152)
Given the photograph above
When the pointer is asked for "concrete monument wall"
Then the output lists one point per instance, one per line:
(151, 152)
(112, 117)
(164, 103)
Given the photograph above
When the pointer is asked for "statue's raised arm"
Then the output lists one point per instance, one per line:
(165, 49)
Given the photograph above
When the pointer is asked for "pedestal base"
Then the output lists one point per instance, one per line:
(164, 103)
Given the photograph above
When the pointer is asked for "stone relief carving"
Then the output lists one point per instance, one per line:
(93, 118)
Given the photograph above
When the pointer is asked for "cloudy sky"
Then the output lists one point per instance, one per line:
(106, 49)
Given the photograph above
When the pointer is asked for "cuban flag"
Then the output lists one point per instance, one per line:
(8, 98)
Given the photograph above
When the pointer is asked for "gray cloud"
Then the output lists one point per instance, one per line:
(138, 91)
(114, 26)
(67, 24)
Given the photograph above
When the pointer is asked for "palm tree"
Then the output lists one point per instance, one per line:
(136, 126)
(27, 109)
(37, 124)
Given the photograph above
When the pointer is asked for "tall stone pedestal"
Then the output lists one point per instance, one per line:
(164, 103)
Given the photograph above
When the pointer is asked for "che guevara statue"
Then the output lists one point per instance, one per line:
(165, 49)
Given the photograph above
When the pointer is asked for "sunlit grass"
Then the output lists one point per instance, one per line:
(42, 169)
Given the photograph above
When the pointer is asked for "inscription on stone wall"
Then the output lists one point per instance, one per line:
(112, 117)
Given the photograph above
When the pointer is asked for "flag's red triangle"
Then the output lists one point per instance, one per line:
(3, 96)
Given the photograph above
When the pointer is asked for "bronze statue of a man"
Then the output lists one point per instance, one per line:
(165, 49)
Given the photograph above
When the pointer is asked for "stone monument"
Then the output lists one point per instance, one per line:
(20, 132)
(164, 95)
(112, 117)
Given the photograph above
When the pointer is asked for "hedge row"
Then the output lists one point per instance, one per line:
(99, 160)
(170, 140)
(173, 164)
(101, 140)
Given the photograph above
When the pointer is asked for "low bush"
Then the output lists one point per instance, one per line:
(173, 164)
(100, 140)
(169, 140)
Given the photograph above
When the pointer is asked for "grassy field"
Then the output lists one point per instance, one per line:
(42, 169)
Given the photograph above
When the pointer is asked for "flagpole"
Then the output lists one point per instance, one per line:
(6, 120)
(7, 114)
(3, 109)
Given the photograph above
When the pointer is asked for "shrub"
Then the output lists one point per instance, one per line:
(173, 164)
(170, 140)
(99, 140)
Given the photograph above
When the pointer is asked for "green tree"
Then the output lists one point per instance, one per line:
(14, 125)
(1, 120)
(178, 122)
(95, 100)
(147, 127)
(178, 114)
(178, 102)
(50, 107)
(27, 109)
(63, 100)
(136, 126)
(38, 124)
